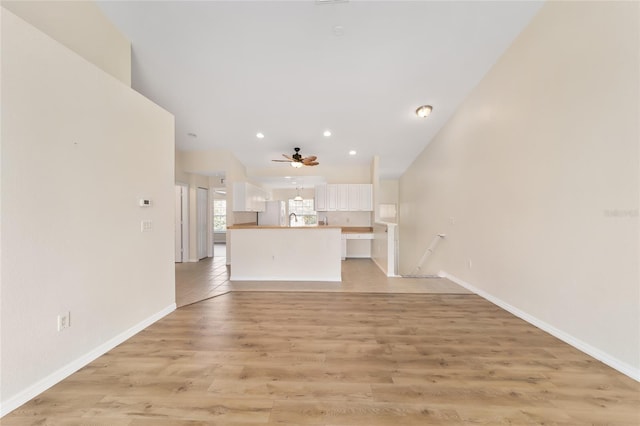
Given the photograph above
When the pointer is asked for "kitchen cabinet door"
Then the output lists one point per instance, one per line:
(248, 198)
(365, 201)
(332, 197)
(354, 197)
(320, 198)
(343, 197)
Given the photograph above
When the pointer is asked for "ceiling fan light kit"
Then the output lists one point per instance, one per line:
(424, 111)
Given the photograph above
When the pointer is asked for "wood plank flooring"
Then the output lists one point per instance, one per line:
(338, 359)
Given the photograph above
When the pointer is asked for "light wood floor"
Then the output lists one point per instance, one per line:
(210, 277)
(286, 358)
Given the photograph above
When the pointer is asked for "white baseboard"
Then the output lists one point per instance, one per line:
(623, 367)
(36, 389)
(383, 269)
(375, 260)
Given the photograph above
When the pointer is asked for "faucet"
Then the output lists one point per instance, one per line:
(294, 215)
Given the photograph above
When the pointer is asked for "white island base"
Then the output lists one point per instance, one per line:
(285, 253)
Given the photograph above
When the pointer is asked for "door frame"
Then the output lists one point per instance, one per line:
(182, 220)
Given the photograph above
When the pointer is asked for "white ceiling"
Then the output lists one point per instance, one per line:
(228, 70)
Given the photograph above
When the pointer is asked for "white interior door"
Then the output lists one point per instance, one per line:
(202, 196)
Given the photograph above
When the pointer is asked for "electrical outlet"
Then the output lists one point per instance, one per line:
(64, 321)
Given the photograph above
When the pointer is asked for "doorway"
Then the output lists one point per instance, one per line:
(202, 234)
(219, 222)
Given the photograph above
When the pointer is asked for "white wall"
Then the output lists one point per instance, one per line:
(79, 148)
(535, 180)
(82, 27)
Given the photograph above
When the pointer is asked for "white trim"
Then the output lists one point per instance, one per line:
(57, 376)
(375, 260)
(382, 269)
(613, 362)
(184, 213)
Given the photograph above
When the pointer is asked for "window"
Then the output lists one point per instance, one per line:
(219, 215)
(304, 211)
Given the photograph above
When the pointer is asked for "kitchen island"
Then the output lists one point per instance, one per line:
(281, 253)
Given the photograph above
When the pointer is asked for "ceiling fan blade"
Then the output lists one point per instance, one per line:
(297, 158)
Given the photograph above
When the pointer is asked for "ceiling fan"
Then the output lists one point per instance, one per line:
(298, 160)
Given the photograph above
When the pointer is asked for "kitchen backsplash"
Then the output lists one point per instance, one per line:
(347, 218)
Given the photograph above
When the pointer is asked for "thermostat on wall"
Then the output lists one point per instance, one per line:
(145, 202)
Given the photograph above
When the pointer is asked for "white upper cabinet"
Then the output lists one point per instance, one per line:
(248, 197)
(344, 197)
(332, 197)
(354, 196)
(366, 197)
(320, 200)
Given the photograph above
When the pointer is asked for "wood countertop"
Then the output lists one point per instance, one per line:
(356, 229)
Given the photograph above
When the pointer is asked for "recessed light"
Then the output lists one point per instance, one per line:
(424, 111)
(192, 135)
(294, 182)
(327, 133)
(287, 177)
(260, 135)
(352, 152)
